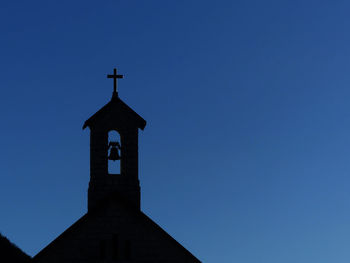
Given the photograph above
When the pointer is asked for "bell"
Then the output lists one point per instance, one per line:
(114, 154)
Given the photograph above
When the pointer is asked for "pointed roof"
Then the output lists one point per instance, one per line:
(10, 252)
(118, 108)
(115, 199)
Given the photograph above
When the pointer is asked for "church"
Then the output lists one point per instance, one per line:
(114, 229)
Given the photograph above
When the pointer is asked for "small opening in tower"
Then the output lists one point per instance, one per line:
(127, 250)
(102, 249)
(115, 244)
(114, 152)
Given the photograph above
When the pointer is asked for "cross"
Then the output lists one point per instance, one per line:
(115, 76)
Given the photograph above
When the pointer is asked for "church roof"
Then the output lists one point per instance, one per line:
(116, 199)
(11, 253)
(116, 107)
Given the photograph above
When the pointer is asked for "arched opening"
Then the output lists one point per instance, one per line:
(114, 152)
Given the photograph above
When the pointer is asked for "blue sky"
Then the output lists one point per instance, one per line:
(245, 156)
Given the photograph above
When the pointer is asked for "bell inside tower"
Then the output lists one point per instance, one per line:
(114, 152)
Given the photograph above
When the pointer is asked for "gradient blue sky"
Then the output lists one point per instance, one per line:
(245, 157)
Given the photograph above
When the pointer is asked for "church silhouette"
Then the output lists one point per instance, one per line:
(114, 229)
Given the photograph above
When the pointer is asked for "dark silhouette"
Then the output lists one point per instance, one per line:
(115, 76)
(115, 148)
(9, 252)
(114, 228)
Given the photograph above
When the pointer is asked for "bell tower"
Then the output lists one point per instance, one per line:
(119, 117)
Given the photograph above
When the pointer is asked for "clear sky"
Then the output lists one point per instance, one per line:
(245, 156)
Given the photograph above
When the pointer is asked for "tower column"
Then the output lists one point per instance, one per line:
(98, 150)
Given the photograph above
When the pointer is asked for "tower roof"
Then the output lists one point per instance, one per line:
(116, 109)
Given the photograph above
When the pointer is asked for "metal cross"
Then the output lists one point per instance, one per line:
(115, 76)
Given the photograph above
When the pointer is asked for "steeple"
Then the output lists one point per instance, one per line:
(119, 117)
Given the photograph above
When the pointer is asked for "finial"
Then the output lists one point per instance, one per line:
(115, 76)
